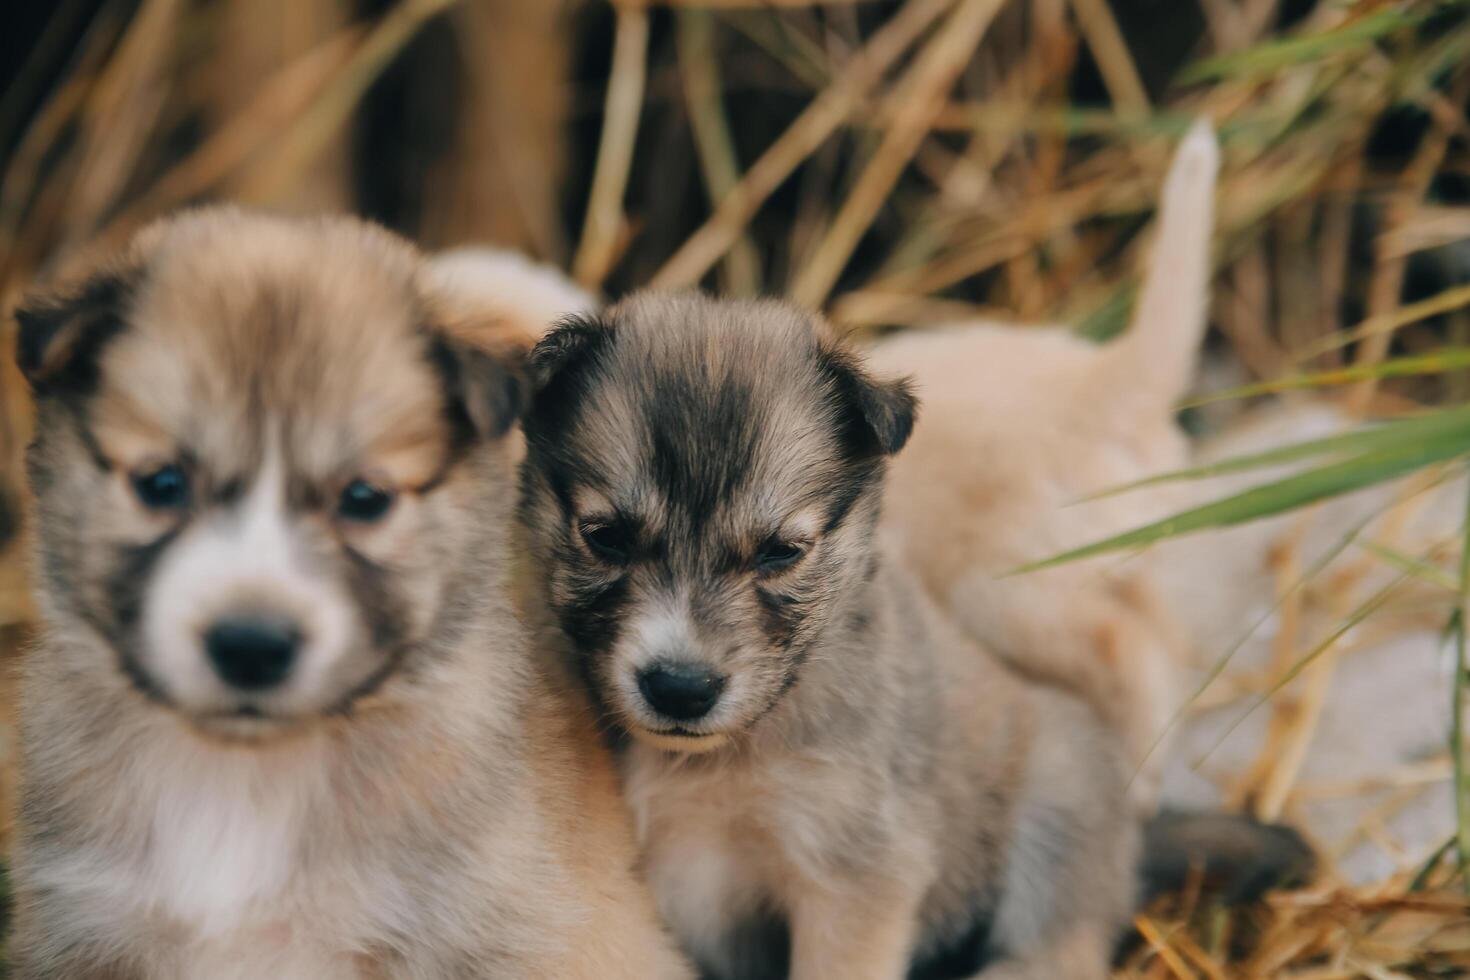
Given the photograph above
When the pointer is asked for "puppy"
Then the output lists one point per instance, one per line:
(282, 722)
(1022, 425)
(827, 776)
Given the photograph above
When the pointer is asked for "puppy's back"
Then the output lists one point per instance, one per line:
(1021, 426)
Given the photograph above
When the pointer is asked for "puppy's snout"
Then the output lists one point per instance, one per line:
(683, 692)
(252, 652)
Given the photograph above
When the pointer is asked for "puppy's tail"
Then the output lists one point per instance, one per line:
(1156, 357)
(499, 296)
(1236, 857)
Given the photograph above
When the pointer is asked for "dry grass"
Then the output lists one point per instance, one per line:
(900, 163)
(1323, 933)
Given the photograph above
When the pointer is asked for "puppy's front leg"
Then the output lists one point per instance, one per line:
(859, 930)
(1080, 953)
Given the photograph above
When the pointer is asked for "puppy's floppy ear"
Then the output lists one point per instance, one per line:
(570, 342)
(876, 415)
(487, 388)
(62, 331)
(555, 365)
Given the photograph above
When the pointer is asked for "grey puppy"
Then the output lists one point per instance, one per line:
(827, 776)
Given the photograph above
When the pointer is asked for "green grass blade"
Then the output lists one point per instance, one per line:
(1448, 301)
(1277, 497)
(1370, 606)
(1275, 56)
(1351, 536)
(1221, 662)
(1445, 423)
(1438, 362)
(1423, 570)
(1421, 877)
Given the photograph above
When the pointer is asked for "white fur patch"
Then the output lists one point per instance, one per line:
(245, 558)
(704, 883)
(661, 632)
(226, 828)
(701, 891)
(213, 844)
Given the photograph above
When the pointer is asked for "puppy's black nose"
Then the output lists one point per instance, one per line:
(252, 653)
(682, 692)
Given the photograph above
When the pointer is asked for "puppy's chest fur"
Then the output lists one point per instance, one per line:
(208, 853)
(714, 847)
(728, 843)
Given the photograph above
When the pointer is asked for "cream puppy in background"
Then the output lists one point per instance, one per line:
(1020, 426)
(281, 721)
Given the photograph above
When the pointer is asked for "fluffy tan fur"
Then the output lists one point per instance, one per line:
(426, 803)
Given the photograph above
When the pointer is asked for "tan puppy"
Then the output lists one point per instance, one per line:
(824, 771)
(1020, 426)
(282, 722)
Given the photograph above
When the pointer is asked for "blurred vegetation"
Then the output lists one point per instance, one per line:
(898, 163)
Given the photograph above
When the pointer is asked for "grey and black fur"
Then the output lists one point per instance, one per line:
(813, 752)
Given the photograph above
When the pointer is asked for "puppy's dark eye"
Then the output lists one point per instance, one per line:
(166, 488)
(363, 501)
(775, 556)
(607, 541)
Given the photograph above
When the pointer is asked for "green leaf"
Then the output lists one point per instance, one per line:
(1111, 318)
(1433, 426)
(1280, 496)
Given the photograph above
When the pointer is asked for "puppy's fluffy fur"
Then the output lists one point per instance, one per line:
(503, 297)
(870, 788)
(1024, 425)
(414, 800)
